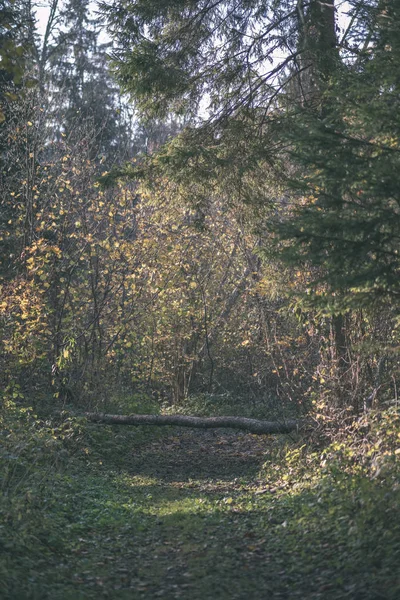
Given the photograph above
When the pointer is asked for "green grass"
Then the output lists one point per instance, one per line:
(143, 514)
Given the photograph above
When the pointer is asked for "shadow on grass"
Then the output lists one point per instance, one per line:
(141, 540)
(315, 544)
(181, 456)
(176, 517)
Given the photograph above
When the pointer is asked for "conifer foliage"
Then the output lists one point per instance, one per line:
(346, 219)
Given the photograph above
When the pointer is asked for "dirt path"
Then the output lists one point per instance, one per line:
(202, 455)
(199, 534)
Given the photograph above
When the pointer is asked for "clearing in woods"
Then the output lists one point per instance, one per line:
(205, 515)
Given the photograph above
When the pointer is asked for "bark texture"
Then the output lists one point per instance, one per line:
(250, 425)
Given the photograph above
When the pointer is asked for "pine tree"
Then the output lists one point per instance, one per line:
(172, 55)
(348, 168)
(13, 49)
(85, 95)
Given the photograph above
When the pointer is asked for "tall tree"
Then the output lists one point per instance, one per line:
(173, 55)
(13, 50)
(349, 165)
(84, 95)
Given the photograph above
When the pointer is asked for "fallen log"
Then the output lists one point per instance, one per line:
(243, 423)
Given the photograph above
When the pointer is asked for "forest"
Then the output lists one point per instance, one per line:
(199, 229)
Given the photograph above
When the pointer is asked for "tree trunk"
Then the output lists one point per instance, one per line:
(250, 425)
(318, 49)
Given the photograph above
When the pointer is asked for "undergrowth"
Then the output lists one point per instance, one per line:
(207, 405)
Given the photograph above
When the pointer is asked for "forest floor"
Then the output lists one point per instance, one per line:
(171, 514)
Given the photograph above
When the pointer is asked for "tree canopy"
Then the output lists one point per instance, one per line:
(217, 56)
(313, 102)
(346, 219)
